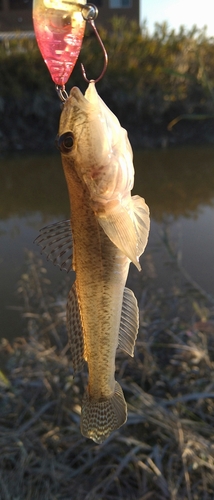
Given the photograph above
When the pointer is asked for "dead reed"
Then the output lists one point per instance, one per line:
(166, 448)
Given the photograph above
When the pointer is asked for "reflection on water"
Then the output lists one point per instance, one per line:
(178, 186)
(32, 184)
(175, 181)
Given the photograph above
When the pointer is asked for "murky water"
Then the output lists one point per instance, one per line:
(178, 185)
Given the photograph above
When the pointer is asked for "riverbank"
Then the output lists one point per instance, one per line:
(165, 450)
(160, 87)
(32, 124)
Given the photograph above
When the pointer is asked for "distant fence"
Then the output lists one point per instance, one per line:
(6, 36)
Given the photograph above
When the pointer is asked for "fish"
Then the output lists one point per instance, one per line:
(108, 228)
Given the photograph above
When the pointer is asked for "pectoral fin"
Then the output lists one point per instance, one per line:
(129, 322)
(141, 220)
(75, 332)
(128, 227)
(56, 243)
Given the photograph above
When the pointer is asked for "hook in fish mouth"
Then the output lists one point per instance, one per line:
(65, 142)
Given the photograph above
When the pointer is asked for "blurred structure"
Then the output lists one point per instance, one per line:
(17, 14)
(109, 8)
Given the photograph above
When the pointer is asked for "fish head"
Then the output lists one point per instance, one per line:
(93, 143)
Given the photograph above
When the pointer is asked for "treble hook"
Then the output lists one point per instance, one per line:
(90, 15)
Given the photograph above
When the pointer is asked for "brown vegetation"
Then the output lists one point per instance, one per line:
(166, 448)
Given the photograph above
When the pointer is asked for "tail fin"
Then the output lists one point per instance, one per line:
(100, 418)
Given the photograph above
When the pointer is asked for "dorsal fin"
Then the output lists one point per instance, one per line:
(56, 243)
(75, 332)
(129, 322)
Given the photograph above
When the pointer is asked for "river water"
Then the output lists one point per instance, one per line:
(178, 185)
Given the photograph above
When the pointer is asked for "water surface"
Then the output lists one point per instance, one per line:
(178, 185)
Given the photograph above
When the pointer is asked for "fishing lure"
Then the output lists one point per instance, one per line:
(59, 28)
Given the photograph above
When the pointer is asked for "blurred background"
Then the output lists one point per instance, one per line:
(160, 84)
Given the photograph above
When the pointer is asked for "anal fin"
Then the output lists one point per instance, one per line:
(75, 332)
(129, 322)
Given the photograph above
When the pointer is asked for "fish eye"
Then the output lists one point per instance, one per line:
(65, 142)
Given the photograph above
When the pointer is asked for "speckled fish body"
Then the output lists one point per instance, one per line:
(109, 229)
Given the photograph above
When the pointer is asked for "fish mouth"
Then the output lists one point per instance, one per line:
(89, 99)
(75, 111)
(77, 95)
(88, 102)
(78, 101)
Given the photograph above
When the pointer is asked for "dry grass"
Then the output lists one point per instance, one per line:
(166, 448)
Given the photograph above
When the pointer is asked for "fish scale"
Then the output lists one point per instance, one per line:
(99, 290)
